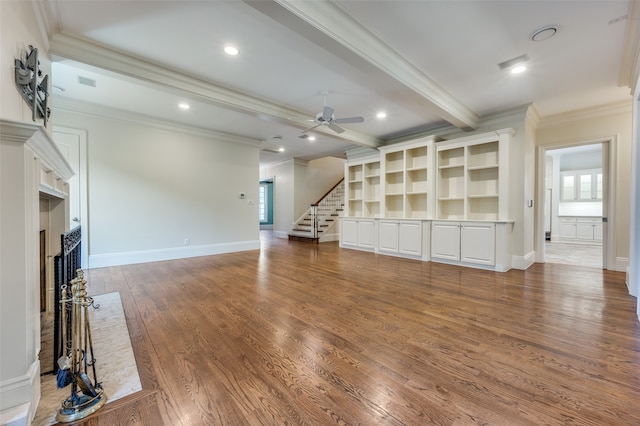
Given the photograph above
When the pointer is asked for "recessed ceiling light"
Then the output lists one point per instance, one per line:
(230, 50)
(518, 69)
(311, 138)
(381, 114)
(544, 33)
(281, 149)
(183, 105)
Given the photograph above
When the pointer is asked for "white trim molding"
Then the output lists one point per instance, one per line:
(157, 255)
(18, 389)
(523, 262)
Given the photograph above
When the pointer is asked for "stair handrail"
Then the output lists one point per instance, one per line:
(313, 212)
(328, 192)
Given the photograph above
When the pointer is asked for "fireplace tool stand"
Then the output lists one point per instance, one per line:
(87, 395)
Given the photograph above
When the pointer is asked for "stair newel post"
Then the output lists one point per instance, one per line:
(314, 220)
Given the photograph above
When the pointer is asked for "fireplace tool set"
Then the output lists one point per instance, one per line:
(78, 362)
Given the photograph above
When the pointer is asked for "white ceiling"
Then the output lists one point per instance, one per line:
(425, 63)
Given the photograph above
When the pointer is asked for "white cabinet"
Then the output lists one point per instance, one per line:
(466, 242)
(589, 228)
(400, 237)
(445, 240)
(568, 228)
(358, 233)
(581, 229)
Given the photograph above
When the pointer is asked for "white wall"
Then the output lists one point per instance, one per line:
(574, 128)
(150, 188)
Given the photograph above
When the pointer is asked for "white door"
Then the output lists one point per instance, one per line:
(73, 145)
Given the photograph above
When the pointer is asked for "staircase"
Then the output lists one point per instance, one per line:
(320, 222)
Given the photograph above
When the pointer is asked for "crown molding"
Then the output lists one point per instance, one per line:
(36, 137)
(66, 46)
(630, 68)
(605, 110)
(100, 111)
(339, 25)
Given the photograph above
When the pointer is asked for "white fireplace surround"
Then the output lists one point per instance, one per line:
(31, 166)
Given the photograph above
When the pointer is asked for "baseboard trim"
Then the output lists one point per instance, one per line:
(145, 256)
(20, 397)
(621, 264)
(523, 262)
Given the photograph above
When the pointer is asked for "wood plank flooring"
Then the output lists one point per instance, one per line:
(311, 334)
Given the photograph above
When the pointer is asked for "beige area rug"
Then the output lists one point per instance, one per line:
(115, 364)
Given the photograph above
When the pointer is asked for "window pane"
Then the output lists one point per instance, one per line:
(585, 187)
(568, 188)
(262, 207)
(599, 186)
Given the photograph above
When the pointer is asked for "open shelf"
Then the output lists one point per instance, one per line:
(452, 208)
(372, 169)
(372, 208)
(451, 183)
(394, 161)
(484, 154)
(482, 181)
(482, 208)
(417, 158)
(453, 157)
(394, 206)
(394, 182)
(416, 206)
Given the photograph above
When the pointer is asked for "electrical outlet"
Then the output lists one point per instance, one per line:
(186, 241)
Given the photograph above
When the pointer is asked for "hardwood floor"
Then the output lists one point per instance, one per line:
(311, 334)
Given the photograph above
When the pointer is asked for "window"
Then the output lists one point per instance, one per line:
(262, 206)
(583, 185)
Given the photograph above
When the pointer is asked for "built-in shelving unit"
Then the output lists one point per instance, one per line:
(444, 201)
(363, 189)
(469, 178)
(407, 181)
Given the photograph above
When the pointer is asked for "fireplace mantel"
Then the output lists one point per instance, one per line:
(30, 164)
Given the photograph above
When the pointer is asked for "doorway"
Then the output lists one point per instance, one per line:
(575, 185)
(265, 204)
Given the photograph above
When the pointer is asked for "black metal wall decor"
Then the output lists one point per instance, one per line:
(32, 85)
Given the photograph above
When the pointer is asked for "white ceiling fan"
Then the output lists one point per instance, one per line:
(326, 118)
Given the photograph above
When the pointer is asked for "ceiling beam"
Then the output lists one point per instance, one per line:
(86, 52)
(331, 27)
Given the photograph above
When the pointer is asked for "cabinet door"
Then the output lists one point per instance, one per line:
(388, 236)
(585, 231)
(597, 232)
(568, 228)
(410, 238)
(478, 243)
(445, 240)
(349, 232)
(366, 237)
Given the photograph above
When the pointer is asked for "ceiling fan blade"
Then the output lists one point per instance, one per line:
(327, 113)
(311, 128)
(349, 120)
(333, 126)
